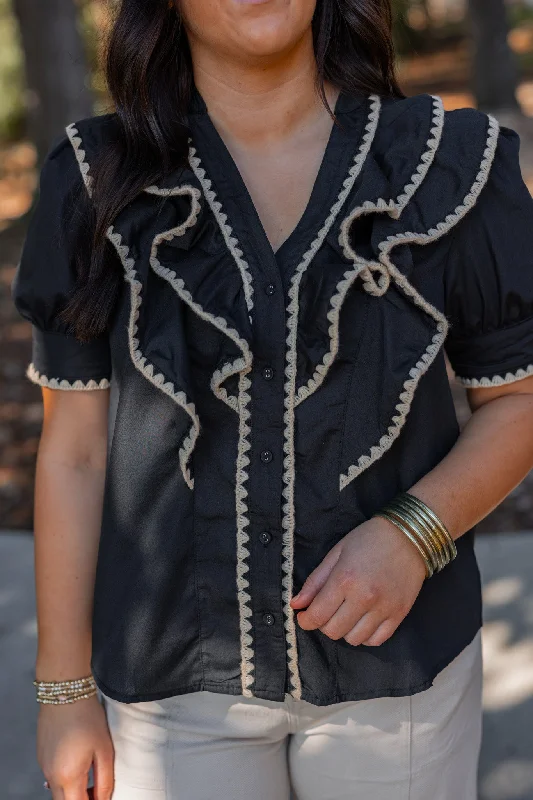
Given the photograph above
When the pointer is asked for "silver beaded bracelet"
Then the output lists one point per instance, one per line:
(61, 692)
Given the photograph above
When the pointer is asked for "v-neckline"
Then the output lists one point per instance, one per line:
(227, 167)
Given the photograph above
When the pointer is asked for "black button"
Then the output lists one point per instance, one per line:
(270, 289)
(267, 373)
(265, 537)
(269, 619)
(266, 456)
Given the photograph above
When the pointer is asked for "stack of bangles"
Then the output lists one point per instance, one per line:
(58, 693)
(423, 528)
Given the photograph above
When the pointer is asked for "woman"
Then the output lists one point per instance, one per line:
(254, 296)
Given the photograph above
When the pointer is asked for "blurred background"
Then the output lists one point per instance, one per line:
(471, 52)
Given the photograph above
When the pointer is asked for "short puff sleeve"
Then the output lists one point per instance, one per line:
(489, 278)
(46, 275)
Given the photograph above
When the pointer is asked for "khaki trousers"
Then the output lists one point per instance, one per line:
(210, 746)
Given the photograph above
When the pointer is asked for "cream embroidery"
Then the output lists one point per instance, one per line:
(421, 367)
(222, 220)
(496, 380)
(146, 368)
(288, 521)
(77, 145)
(363, 266)
(60, 383)
(241, 404)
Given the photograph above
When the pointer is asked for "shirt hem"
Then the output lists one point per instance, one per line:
(236, 688)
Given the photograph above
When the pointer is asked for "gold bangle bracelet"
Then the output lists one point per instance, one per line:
(440, 549)
(442, 529)
(407, 521)
(433, 520)
(420, 531)
(429, 567)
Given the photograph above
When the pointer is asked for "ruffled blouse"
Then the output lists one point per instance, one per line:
(268, 403)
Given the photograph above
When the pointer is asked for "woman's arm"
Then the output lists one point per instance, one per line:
(69, 483)
(369, 581)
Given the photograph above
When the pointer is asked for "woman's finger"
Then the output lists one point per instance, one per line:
(328, 600)
(365, 628)
(104, 778)
(75, 789)
(342, 621)
(384, 632)
(316, 580)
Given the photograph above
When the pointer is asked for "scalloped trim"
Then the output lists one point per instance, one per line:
(241, 404)
(145, 367)
(288, 521)
(77, 145)
(363, 266)
(241, 365)
(232, 242)
(496, 380)
(61, 383)
(421, 367)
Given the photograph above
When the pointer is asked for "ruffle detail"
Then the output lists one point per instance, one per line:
(366, 268)
(421, 367)
(225, 228)
(241, 405)
(145, 367)
(496, 380)
(60, 383)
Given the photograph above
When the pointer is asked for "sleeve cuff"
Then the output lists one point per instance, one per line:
(62, 362)
(495, 358)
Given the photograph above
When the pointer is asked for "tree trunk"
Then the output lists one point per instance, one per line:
(495, 74)
(56, 68)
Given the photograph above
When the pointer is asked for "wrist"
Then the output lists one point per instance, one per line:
(50, 667)
(423, 528)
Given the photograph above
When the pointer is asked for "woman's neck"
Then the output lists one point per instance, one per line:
(260, 104)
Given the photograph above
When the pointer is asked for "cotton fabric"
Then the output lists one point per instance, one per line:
(265, 405)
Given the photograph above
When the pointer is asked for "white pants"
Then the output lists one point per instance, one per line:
(210, 746)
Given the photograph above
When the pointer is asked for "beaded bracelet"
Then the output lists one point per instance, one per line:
(61, 692)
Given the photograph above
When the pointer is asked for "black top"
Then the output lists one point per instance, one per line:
(266, 405)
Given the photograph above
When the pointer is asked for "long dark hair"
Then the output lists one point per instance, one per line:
(149, 73)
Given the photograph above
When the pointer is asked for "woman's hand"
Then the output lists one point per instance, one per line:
(70, 738)
(365, 586)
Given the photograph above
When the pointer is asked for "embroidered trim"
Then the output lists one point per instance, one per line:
(172, 192)
(394, 208)
(243, 538)
(288, 521)
(77, 145)
(140, 362)
(496, 380)
(226, 229)
(243, 363)
(145, 367)
(438, 339)
(364, 267)
(240, 404)
(61, 383)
